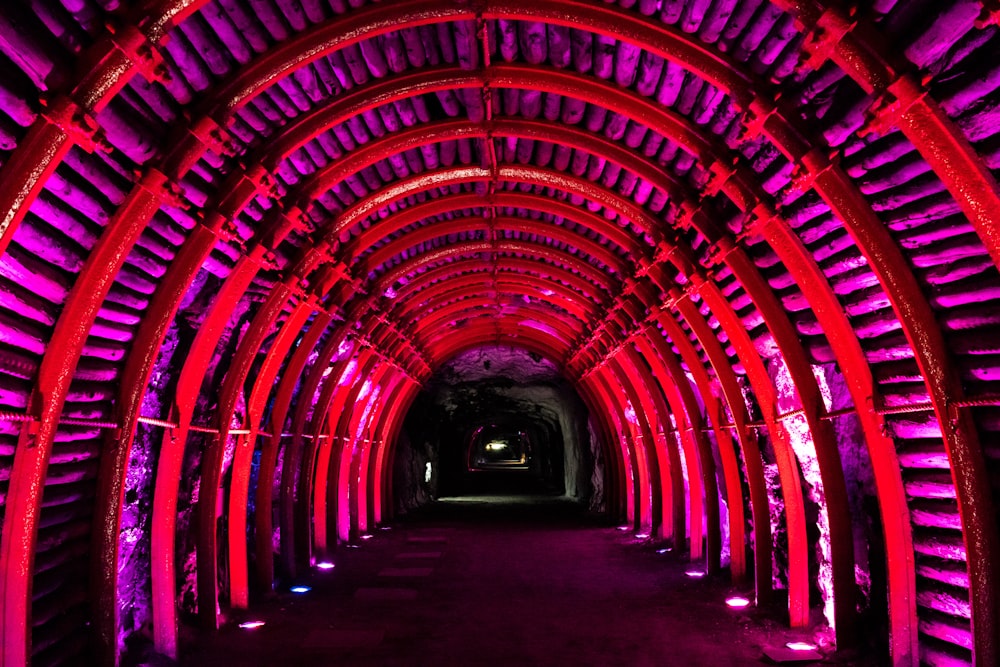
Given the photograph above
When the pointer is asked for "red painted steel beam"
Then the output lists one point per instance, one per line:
(212, 464)
(34, 447)
(50, 138)
(384, 429)
(941, 377)
(329, 487)
(616, 481)
(703, 491)
(263, 522)
(860, 52)
(587, 246)
(409, 312)
(243, 456)
(311, 508)
(824, 443)
(262, 389)
(863, 53)
(69, 117)
(368, 491)
(506, 283)
(665, 477)
(653, 343)
(384, 228)
(491, 331)
(487, 311)
(296, 500)
(563, 262)
(135, 379)
(577, 289)
(360, 430)
(730, 389)
(187, 391)
(694, 445)
(788, 469)
(445, 315)
(326, 38)
(139, 365)
(678, 506)
(299, 455)
(670, 379)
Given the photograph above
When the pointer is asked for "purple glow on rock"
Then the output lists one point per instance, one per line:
(800, 438)
(630, 413)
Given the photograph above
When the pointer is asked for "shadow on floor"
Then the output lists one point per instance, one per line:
(499, 580)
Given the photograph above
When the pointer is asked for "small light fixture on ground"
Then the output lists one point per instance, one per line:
(801, 646)
(300, 589)
(737, 602)
(695, 574)
(366, 537)
(325, 565)
(664, 550)
(250, 625)
(641, 536)
(623, 528)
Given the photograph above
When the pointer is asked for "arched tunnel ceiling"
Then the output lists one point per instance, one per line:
(709, 198)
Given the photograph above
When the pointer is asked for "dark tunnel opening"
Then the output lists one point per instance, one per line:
(497, 421)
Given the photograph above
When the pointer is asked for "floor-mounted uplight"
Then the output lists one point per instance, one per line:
(801, 646)
(737, 602)
(695, 574)
(325, 565)
(642, 536)
(664, 550)
(624, 528)
(250, 625)
(300, 589)
(366, 537)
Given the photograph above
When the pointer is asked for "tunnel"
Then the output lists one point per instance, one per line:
(276, 275)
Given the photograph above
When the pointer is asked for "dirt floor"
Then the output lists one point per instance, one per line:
(501, 581)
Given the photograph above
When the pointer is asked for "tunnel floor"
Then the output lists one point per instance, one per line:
(488, 580)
